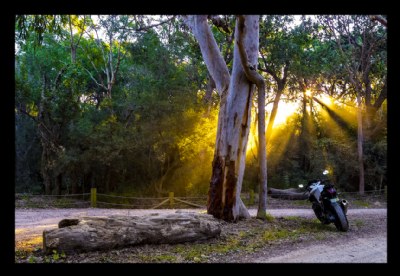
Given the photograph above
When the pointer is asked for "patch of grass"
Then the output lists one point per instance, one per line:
(275, 234)
(255, 238)
(32, 259)
(200, 252)
(361, 203)
(358, 222)
(33, 205)
(313, 226)
(25, 197)
(301, 202)
(63, 203)
(293, 218)
(269, 217)
(164, 258)
(20, 254)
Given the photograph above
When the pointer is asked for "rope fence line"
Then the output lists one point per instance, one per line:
(130, 197)
(158, 198)
(119, 204)
(66, 195)
(171, 201)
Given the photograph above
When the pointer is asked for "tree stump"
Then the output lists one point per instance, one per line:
(103, 233)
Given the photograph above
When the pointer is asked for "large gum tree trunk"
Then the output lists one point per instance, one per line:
(236, 94)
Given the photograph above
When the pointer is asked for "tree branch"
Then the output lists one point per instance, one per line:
(382, 97)
(379, 18)
(267, 69)
(145, 28)
(220, 23)
(98, 84)
(210, 51)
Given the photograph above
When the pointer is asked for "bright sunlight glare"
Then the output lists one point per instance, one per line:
(308, 93)
(326, 100)
(284, 111)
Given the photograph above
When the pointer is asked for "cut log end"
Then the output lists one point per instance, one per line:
(67, 222)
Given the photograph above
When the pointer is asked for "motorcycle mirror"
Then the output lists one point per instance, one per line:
(325, 172)
(301, 186)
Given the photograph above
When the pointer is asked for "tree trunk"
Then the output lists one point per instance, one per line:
(58, 184)
(74, 184)
(45, 172)
(360, 139)
(304, 148)
(233, 120)
(274, 111)
(252, 75)
(105, 233)
(237, 116)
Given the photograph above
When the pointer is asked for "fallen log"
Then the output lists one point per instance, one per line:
(291, 194)
(104, 233)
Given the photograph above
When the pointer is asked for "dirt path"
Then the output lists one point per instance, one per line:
(372, 249)
(369, 247)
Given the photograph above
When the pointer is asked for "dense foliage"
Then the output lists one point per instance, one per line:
(118, 103)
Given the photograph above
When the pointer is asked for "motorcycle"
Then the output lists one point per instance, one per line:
(326, 205)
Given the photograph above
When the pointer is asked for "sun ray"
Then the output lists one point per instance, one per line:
(285, 109)
(280, 138)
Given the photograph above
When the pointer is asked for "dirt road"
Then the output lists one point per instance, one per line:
(361, 250)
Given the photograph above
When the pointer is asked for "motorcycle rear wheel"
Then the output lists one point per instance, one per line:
(341, 221)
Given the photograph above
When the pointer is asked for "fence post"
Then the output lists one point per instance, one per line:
(171, 200)
(385, 187)
(93, 197)
(251, 199)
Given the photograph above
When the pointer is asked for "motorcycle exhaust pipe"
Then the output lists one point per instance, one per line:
(344, 204)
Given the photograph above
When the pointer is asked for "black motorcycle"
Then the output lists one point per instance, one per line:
(326, 204)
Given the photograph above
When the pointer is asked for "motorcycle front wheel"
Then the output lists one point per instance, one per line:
(341, 221)
(318, 213)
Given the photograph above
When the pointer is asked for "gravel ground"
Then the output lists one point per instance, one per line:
(360, 250)
(364, 242)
